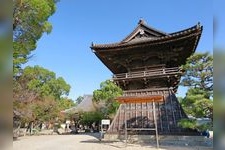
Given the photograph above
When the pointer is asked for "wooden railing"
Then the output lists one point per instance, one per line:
(148, 73)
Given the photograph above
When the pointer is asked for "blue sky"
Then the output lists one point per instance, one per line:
(76, 24)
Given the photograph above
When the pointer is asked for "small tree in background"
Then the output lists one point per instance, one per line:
(198, 101)
(79, 99)
(106, 94)
(88, 118)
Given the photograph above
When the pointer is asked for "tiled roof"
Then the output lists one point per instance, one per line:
(142, 25)
(177, 46)
(86, 105)
(193, 31)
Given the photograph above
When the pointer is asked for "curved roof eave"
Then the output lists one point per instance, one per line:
(195, 29)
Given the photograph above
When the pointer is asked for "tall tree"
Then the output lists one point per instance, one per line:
(30, 21)
(199, 72)
(46, 109)
(107, 93)
(39, 94)
(198, 101)
(39, 82)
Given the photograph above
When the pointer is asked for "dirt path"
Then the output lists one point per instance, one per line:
(79, 142)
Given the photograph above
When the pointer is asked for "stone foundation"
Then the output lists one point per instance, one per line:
(200, 141)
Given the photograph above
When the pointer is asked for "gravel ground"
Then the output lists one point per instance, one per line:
(81, 142)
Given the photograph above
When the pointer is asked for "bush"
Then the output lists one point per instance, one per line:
(192, 124)
(88, 118)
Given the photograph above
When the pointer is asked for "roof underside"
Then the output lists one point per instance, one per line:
(148, 46)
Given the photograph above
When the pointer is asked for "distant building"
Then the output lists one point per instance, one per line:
(86, 105)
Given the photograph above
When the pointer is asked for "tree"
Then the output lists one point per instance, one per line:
(79, 99)
(88, 118)
(39, 82)
(107, 93)
(66, 103)
(198, 101)
(30, 21)
(36, 87)
(199, 73)
(46, 109)
(196, 104)
(33, 86)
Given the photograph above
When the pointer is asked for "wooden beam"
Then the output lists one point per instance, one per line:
(140, 99)
(147, 129)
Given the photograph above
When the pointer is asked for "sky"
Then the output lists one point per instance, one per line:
(77, 23)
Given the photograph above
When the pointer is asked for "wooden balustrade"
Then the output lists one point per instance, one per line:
(148, 73)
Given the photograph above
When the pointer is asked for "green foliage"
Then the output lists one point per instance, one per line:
(199, 72)
(35, 89)
(107, 93)
(25, 109)
(197, 104)
(188, 123)
(66, 103)
(38, 94)
(198, 101)
(69, 116)
(45, 109)
(42, 82)
(87, 118)
(30, 21)
(79, 99)
(192, 124)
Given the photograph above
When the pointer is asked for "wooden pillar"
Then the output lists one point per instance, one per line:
(141, 116)
(125, 118)
(171, 108)
(156, 126)
(160, 117)
(119, 118)
(167, 119)
(136, 122)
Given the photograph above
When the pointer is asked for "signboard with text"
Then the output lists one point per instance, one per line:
(105, 122)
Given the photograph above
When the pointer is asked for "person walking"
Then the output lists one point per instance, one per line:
(30, 127)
